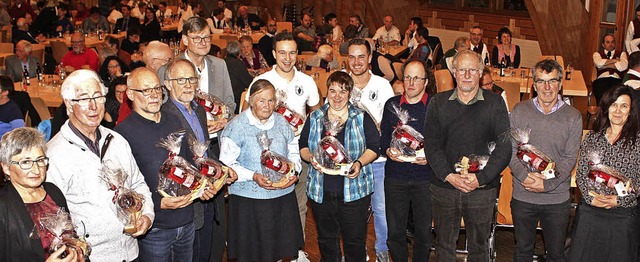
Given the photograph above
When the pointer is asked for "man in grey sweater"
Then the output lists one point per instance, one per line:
(556, 130)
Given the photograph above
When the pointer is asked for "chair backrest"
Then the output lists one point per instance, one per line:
(229, 37)
(27, 120)
(7, 32)
(41, 107)
(284, 26)
(6, 47)
(222, 43)
(59, 49)
(434, 56)
(37, 50)
(444, 80)
(242, 100)
(512, 90)
(504, 198)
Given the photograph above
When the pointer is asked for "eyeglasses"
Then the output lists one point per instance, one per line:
(414, 79)
(85, 101)
(182, 81)
(165, 60)
(113, 66)
(471, 71)
(553, 81)
(149, 91)
(488, 84)
(27, 164)
(198, 39)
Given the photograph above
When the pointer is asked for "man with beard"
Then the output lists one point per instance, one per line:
(265, 45)
(462, 122)
(305, 34)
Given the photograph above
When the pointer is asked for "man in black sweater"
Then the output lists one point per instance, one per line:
(406, 182)
(172, 234)
(462, 122)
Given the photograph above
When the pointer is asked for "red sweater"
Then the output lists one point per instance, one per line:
(88, 57)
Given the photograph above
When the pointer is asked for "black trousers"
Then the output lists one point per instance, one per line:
(335, 218)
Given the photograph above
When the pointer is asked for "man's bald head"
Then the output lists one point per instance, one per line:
(156, 54)
(22, 24)
(325, 52)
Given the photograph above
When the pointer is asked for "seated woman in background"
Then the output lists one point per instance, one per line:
(608, 229)
(115, 98)
(150, 27)
(251, 57)
(111, 68)
(506, 50)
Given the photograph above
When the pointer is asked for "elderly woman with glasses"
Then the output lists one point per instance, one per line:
(264, 223)
(340, 203)
(251, 57)
(607, 228)
(26, 198)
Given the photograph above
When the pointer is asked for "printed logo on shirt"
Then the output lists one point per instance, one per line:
(299, 90)
(373, 95)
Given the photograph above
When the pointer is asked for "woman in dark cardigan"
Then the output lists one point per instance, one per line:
(26, 197)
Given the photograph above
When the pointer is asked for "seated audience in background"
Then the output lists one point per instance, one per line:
(265, 45)
(336, 33)
(5, 19)
(610, 65)
(238, 73)
(216, 51)
(217, 22)
(163, 12)
(362, 30)
(15, 64)
(251, 57)
(95, 21)
(111, 68)
(248, 20)
(422, 52)
(80, 57)
(305, 34)
(132, 42)
(81, 12)
(487, 83)
(62, 22)
(114, 15)
(505, 50)
(138, 12)
(156, 54)
(112, 44)
(350, 32)
(387, 66)
(126, 21)
(10, 115)
(324, 59)
(115, 97)
(151, 27)
(388, 33)
(21, 32)
(461, 43)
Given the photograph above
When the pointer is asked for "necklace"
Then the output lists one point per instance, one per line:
(341, 116)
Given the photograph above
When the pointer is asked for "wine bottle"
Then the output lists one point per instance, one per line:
(336, 155)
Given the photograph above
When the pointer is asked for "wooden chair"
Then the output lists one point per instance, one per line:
(41, 107)
(59, 49)
(444, 80)
(242, 100)
(554, 57)
(37, 50)
(6, 48)
(284, 26)
(7, 33)
(512, 90)
(592, 110)
(229, 37)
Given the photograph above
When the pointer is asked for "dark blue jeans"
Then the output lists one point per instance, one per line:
(204, 236)
(477, 209)
(335, 218)
(554, 220)
(173, 244)
(399, 196)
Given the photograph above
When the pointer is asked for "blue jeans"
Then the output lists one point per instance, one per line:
(204, 236)
(167, 244)
(377, 204)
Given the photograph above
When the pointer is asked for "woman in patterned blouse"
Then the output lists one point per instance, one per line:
(606, 222)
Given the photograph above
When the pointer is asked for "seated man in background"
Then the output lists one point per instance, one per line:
(10, 115)
(461, 43)
(80, 57)
(21, 32)
(238, 72)
(217, 22)
(422, 52)
(95, 21)
(363, 30)
(131, 43)
(324, 59)
(610, 65)
(15, 64)
(487, 83)
(305, 34)
(389, 33)
(248, 20)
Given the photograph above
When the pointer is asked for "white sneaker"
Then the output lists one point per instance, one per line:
(302, 257)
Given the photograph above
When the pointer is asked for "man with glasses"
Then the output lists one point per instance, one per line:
(487, 83)
(302, 98)
(173, 231)
(370, 93)
(265, 45)
(406, 183)
(213, 78)
(80, 57)
(462, 122)
(15, 64)
(475, 35)
(156, 55)
(77, 154)
(556, 130)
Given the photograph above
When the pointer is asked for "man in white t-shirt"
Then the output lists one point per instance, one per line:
(302, 94)
(163, 12)
(228, 15)
(370, 93)
(389, 33)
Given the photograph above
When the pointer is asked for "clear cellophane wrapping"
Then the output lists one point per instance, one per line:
(128, 202)
(216, 109)
(606, 180)
(405, 139)
(275, 167)
(294, 119)
(178, 177)
(531, 156)
(213, 170)
(474, 163)
(59, 225)
(330, 153)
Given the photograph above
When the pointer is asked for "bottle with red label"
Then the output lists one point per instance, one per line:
(211, 170)
(333, 152)
(602, 177)
(210, 107)
(534, 161)
(290, 116)
(274, 163)
(182, 177)
(408, 139)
